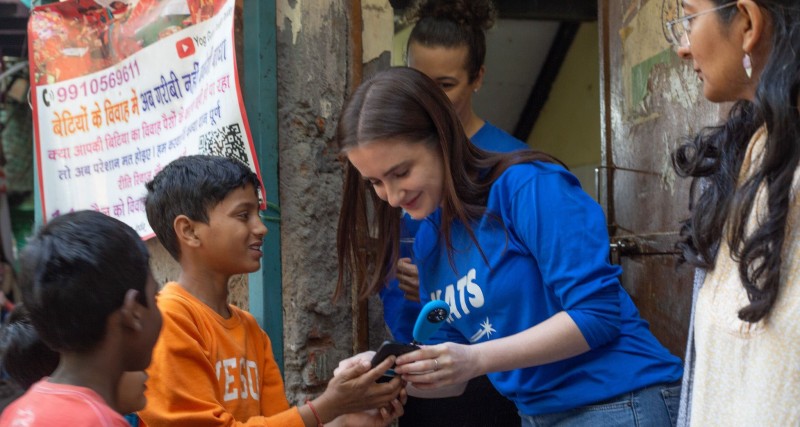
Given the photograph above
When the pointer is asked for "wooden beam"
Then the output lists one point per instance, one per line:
(548, 10)
(261, 102)
(547, 76)
(542, 10)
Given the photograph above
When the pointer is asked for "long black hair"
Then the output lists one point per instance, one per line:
(715, 156)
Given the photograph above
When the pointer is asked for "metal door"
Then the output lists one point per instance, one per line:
(649, 100)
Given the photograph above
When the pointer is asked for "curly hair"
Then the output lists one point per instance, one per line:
(454, 23)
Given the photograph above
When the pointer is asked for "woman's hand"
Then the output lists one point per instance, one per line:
(408, 279)
(439, 365)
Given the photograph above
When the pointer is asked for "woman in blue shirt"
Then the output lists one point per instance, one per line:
(514, 246)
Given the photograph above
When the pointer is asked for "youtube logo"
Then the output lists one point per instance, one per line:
(185, 47)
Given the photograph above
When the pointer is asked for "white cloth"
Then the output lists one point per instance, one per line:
(749, 374)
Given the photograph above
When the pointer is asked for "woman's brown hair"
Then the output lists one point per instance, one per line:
(404, 105)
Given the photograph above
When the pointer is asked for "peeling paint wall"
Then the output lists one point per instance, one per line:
(653, 100)
(378, 35)
(313, 68)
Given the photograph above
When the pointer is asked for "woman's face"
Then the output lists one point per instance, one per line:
(448, 68)
(130, 392)
(716, 53)
(406, 175)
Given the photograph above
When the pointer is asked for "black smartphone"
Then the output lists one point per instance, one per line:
(387, 349)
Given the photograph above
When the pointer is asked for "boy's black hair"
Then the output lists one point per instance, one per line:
(75, 273)
(26, 358)
(191, 186)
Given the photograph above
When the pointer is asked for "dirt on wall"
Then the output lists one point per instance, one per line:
(312, 81)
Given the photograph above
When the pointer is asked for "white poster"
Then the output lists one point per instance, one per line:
(159, 85)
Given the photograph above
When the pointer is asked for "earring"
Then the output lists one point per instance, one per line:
(748, 65)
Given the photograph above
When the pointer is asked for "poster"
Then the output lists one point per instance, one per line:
(123, 88)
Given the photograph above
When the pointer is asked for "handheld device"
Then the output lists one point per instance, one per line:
(387, 349)
(430, 319)
(391, 348)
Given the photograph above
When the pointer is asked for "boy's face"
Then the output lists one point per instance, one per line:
(232, 239)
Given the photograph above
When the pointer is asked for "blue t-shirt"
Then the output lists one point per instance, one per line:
(132, 419)
(549, 254)
(492, 138)
(399, 313)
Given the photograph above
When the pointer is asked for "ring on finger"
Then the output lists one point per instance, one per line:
(435, 365)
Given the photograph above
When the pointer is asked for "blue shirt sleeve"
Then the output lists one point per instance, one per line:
(565, 231)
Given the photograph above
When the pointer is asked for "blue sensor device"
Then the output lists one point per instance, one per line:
(430, 319)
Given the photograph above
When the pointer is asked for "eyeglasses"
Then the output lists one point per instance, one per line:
(679, 29)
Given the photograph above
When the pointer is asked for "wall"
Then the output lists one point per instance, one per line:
(315, 63)
(651, 99)
(569, 124)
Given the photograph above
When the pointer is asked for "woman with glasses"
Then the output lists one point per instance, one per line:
(743, 362)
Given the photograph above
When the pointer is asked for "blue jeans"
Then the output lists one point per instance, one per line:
(653, 406)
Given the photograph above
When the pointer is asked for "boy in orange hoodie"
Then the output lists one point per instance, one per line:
(213, 365)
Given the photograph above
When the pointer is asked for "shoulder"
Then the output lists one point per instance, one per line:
(492, 138)
(172, 299)
(249, 323)
(545, 188)
(48, 404)
(184, 317)
(539, 174)
(246, 317)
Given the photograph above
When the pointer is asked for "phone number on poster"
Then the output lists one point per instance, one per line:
(94, 86)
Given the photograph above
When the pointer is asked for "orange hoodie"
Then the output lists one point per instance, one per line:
(211, 371)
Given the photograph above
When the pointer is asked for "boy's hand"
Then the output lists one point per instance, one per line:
(408, 279)
(376, 417)
(354, 389)
(352, 361)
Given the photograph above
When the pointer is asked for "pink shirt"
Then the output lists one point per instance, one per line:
(49, 404)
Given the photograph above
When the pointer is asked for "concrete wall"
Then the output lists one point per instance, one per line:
(314, 66)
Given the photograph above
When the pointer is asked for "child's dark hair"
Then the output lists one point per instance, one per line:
(76, 272)
(452, 24)
(25, 357)
(191, 186)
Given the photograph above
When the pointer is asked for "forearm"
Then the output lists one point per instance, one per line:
(557, 338)
(319, 411)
